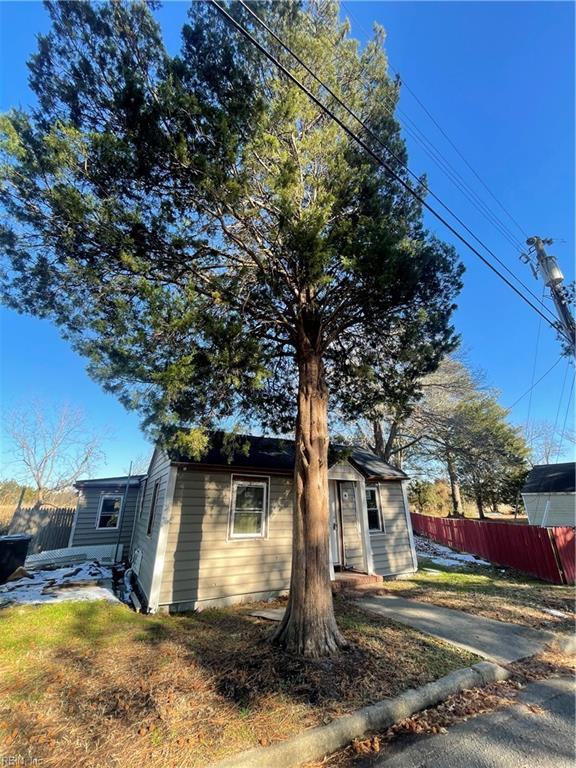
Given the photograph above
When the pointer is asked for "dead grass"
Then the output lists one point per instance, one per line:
(92, 684)
(505, 596)
(6, 512)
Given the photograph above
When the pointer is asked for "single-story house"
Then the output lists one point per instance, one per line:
(219, 530)
(549, 494)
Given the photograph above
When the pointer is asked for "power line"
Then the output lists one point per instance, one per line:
(453, 175)
(528, 391)
(385, 147)
(378, 159)
(446, 136)
(537, 345)
(565, 420)
(560, 398)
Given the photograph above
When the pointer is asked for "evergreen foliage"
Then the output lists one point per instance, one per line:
(216, 246)
(179, 217)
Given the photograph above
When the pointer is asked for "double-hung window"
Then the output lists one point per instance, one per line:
(375, 522)
(109, 511)
(249, 508)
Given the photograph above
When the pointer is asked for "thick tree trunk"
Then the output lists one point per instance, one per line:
(454, 488)
(480, 503)
(385, 448)
(309, 625)
(379, 444)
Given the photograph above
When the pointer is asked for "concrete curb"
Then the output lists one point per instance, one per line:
(315, 743)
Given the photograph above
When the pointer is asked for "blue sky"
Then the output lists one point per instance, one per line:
(499, 78)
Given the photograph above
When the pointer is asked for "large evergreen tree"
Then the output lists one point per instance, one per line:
(213, 242)
(490, 454)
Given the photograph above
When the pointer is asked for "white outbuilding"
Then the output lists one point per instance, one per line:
(549, 495)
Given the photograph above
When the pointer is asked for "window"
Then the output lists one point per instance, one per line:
(152, 512)
(375, 522)
(248, 508)
(109, 511)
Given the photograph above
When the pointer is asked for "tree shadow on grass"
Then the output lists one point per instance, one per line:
(381, 660)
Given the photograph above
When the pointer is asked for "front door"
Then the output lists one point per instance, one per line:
(335, 524)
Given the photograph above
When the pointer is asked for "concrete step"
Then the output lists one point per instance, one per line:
(350, 580)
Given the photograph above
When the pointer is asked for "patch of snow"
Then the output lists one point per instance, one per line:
(88, 581)
(441, 555)
(554, 612)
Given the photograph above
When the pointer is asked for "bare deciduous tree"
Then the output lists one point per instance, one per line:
(139, 465)
(53, 447)
(546, 441)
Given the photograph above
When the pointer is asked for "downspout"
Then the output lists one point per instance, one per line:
(73, 528)
(122, 510)
(137, 513)
(545, 515)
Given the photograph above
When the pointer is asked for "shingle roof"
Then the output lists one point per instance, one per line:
(372, 465)
(551, 478)
(278, 453)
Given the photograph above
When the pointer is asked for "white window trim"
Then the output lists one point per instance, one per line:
(244, 480)
(101, 504)
(382, 528)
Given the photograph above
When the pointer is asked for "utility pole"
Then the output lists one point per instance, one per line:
(551, 274)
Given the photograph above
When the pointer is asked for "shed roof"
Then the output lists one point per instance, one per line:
(278, 453)
(106, 482)
(551, 478)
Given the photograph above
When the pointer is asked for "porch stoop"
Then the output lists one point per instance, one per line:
(351, 579)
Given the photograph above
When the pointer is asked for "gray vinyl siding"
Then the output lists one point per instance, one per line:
(561, 510)
(202, 564)
(342, 471)
(159, 471)
(85, 530)
(391, 550)
(351, 534)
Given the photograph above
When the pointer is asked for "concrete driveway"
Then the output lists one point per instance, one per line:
(538, 732)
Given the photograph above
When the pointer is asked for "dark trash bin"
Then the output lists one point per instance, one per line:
(13, 551)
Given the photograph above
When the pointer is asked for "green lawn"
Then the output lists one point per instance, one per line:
(94, 684)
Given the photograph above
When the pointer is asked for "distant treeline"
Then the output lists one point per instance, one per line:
(11, 490)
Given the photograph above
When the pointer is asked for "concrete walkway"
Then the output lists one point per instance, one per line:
(494, 640)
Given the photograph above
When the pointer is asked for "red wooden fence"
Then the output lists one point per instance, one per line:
(565, 541)
(548, 553)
